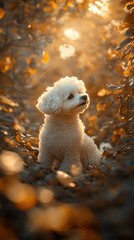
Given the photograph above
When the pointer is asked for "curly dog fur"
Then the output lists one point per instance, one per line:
(62, 136)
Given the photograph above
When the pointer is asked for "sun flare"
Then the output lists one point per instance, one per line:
(66, 51)
(71, 34)
(100, 8)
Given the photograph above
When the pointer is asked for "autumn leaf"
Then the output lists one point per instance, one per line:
(101, 106)
(65, 179)
(103, 92)
(31, 71)
(2, 13)
(121, 132)
(6, 64)
(54, 5)
(45, 57)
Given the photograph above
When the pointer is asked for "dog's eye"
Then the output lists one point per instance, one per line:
(70, 96)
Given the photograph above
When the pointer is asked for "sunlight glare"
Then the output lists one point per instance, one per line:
(66, 51)
(100, 8)
(79, 1)
(71, 34)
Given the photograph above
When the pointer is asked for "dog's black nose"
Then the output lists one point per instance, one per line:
(84, 97)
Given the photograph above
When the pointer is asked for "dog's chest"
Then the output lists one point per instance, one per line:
(63, 137)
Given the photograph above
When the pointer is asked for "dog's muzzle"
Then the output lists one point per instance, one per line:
(84, 97)
(83, 100)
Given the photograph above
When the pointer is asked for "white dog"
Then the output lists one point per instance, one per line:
(62, 136)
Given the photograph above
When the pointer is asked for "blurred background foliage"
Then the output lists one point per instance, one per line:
(41, 41)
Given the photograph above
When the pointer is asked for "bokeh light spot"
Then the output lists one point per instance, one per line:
(23, 195)
(11, 162)
(71, 34)
(45, 195)
(66, 51)
(100, 8)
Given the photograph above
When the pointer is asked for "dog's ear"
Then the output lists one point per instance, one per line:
(49, 102)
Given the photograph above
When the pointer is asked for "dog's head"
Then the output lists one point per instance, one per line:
(67, 96)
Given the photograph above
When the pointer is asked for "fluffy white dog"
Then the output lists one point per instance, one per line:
(62, 136)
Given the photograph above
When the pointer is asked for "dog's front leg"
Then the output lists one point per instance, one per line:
(71, 164)
(45, 157)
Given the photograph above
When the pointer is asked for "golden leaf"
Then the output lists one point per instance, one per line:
(92, 124)
(6, 64)
(54, 5)
(10, 141)
(47, 9)
(101, 106)
(1, 31)
(120, 132)
(126, 73)
(119, 69)
(28, 61)
(70, 4)
(103, 92)
(2, 13)
(31, 71)
(8, 101)
(45, 57)
(65, 179)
